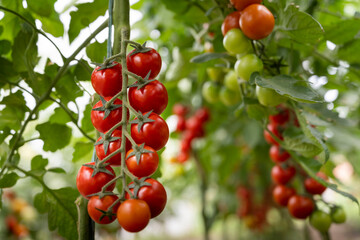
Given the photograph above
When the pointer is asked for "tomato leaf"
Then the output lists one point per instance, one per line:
(96, 51)
(343, 31)
(82, 150)
(56, 170)
(302, 146)
(54, 135)
(60, 116)
(205, 57)
(39, 163)
(8, 180)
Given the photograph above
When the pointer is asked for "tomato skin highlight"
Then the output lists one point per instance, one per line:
(231, 21)
(282, 176)
(103, 204)
(154, 134)
(278, 155)
(256, 21)
(133, 215)
(300, 207)
(153, 96)
(107, 82)
(314, 187)
(89, 185)
(148, 164)
(113, 146)
(142, 63)
(241, 4)
(282, 194)
(155, 196)
(97, 117)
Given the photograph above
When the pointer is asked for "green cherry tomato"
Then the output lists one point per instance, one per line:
(235, 42)
(215, 74)
(229, 97)
(338, 215)
(231, 81)
(268, 97)
(248, 64)
(210, 91)
(320, 220)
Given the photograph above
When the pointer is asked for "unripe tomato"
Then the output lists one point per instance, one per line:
(282, 194)
(248, 64)
(235, 42)
(210, 91)
(241, 4)
(231, 21)
(314, 187)
(133, 215)
(215, 74)
(268, 97)
(229, 97)
(231, 81)
(300, 207)
(107, 82)
(338, 215)
(278, 155)
(142, 63)
(256, 21)
(282, 176)
(320, 220)
(96, 205)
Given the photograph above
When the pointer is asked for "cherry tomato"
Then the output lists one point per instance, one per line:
(154, 134)
(314, 187)
(247, 65)
(86, 184)
(235, 42)
(113, 146)
(282, 117)
(180, 110)
(300, 207)
(210, 91)
(203, 114)
(183, 156)
(133, 215)
(273, 128)
(215, 74)
(278, 155)
(268, 97)
(195, 125)
(107, 82)
(320, 220)
(153, 96)
(155, 196)
(142, 63)
(231, 81)
(241, 4)
(282, 176)
(148, 163)
(96, 205)
(231, 21)
(256, 21)
(181, 124)
(97, 117)
(229, 97)
(282, 194)
(338, 215)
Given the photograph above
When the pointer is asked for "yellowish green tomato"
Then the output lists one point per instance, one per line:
(215, 74)
(248, 64)
(338, 215)
(231, 81)
(235, 42)
(268, 97)
(320, 220)
(229, 97)
(210, 91)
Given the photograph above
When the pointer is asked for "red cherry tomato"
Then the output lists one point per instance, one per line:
(180, 110)
(113, 146)
(96, 205)
(155, 196)
(183, 156)
(86, 184)
(153, 96)
(181, 124)
(142, 63)
(282, 194)
(107, 82)
(97, 117)
(278, 155)
(282, 117)
(241, 4)
(314, 187)
(203, 114)
(154, 134)
(282, 176)
(273, 128)
(231, 21)
(300, 207)
(195, 125)
(256, 21)
(133, 215)
(148, 164)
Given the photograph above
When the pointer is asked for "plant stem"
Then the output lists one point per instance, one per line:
(86, 226)
(109, 51)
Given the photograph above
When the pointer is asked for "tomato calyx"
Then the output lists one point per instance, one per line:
(137, 184)
(99, 167)
(106, 140)
(106, 108)
(107, 213)
(138, 151)
(139, 48)
(142, 82)
(105, 64)
(141, 119)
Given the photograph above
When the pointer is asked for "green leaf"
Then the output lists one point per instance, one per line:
(301, 146)
(42, 8)
(67, 88)
(60, 116)
(96, 51)
(82, 71)
(62, 214)
(298, 90)
(343, 31)
(54, 135)
(8, 180)
(56, 170)
(5, 47)
(86, 13)
(256, 111)
(86, 124)
(82, 149)
(39, 163)
(300, 26)
(205, 57)
(14, 112)
(346, 52)
(7, 71)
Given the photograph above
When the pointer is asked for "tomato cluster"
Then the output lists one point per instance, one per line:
(190, 128)
(143, 198)
(300, 206)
